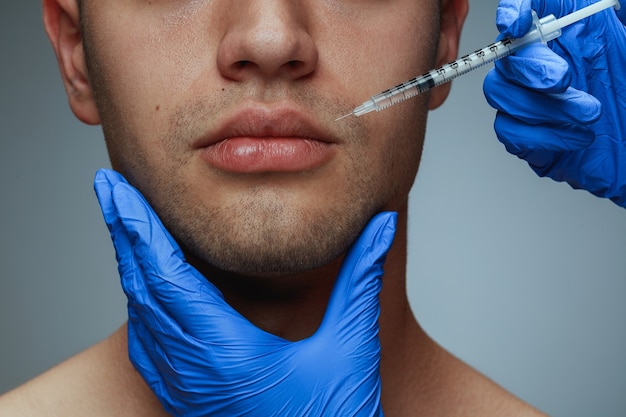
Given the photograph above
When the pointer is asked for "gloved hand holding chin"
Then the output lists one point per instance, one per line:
(200, 357)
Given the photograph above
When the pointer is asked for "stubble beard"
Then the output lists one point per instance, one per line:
(262, 235)
(265, 229)
(262, 232)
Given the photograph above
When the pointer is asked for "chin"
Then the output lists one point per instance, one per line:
(277, 253)
(252, 243)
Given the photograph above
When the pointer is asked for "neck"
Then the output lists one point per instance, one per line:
(293, 306)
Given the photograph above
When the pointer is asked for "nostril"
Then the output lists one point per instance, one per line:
(243, 64)
(295, 65)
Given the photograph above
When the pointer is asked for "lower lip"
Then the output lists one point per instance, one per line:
(258, 155)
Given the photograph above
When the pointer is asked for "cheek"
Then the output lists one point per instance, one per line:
(144, 64)
(398, 135)
(375, 55)
(409, 140)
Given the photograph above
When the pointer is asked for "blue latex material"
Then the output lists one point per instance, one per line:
(202, 358)
(562, 107)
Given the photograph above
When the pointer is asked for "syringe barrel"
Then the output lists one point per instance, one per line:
(544, 30)
(397, 94)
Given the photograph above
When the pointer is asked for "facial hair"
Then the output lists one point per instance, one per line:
(264, 230)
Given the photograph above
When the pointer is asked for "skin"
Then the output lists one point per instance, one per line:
(209, 60)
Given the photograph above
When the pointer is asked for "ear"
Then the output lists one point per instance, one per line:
(62, 24)
(453, 14)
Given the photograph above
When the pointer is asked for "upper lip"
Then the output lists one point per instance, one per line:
(265, 121)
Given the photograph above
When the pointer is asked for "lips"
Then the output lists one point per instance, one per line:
(262, 139)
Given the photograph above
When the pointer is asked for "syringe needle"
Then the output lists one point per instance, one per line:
(344, 116)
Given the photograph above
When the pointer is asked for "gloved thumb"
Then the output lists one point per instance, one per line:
(354, 298)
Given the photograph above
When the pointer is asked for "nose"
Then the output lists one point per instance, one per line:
(268, 39)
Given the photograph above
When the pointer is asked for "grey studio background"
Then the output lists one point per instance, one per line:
(519, 276)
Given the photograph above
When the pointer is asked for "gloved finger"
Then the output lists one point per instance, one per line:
(536, 67)
(535, 107)
(132, 280)
(518, 137)
(130, 272)
(354, 298)
(513, 17)
(195, 304)
(104, 182)
(103, 185)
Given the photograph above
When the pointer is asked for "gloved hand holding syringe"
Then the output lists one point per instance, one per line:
(543, 30)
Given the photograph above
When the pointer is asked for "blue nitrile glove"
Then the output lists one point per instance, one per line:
(202, 358)
(562, 107)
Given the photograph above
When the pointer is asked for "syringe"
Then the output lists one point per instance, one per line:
(544, 30)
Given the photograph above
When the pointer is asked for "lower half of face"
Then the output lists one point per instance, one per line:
(281, 214)
(273, 222)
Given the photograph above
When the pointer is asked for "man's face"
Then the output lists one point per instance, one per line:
(222, 113)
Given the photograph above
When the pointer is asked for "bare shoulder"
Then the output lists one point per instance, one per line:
(97, 382)
(470, 393)
(474, 391)
(429, 381)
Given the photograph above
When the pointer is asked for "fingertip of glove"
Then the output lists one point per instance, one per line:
(386, 221)
(381, 229)
(108, 176)
(105, 181)
(513, 18)
(579, 107)
(590, 108)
